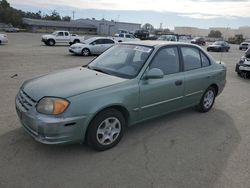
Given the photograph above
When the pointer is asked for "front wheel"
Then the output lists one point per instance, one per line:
(207, 100)
(51, 42)
(85, 52)
(106, 130)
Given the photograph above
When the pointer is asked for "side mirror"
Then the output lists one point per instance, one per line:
(154, 73)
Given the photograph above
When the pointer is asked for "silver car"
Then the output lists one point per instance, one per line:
(92, 46)
(3, 39)
(244, 45)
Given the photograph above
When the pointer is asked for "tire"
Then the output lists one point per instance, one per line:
(86, 52)
(51, 42)
(0, 42)
(207, 100)
(106, 130)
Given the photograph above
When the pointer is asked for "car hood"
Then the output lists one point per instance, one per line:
(68, 83)
(47, 36)
(78, 45)
(245, 43)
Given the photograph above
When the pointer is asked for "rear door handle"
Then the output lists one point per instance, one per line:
(178, 82)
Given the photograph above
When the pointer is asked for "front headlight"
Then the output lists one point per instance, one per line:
(242, 59)
(52, 105)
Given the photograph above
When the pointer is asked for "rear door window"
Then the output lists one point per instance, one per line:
(191, 58)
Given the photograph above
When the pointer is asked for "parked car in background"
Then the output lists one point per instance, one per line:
(141, 34)
(92, 46)
(219, 46)
(199, 41)
(124, 37)
(129, 83)
(12, 29)
(3, 39)
(243, 66)
(61, 37)
(244, 45)
(167, 38)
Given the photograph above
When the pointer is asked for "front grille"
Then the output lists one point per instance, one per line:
(25, 100)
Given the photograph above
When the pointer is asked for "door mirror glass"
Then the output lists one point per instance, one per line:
(154, 73)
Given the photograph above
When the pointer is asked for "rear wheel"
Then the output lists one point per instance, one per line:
(106, 130)
(0, 42)
(207, 100)
(85, 52)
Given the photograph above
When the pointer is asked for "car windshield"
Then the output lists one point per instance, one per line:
(218, 43)
(167, 38)
(87, 41)
(54, 33)
(122, 60)
(247, 53)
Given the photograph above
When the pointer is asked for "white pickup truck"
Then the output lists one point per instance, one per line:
(61, 37)
(124, 37)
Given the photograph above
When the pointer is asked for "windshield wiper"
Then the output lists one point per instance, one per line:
(98, 70)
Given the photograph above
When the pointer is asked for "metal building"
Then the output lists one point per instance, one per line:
(89, 26)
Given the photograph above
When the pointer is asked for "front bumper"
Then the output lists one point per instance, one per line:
(75, 50)
(44, 40)
(240, 67)
(50, 129)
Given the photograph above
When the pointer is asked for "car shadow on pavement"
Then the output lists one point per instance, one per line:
(182, 149)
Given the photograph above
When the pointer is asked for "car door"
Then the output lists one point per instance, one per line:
(107, 44)
(96, 46)
(159, 96)
(66, 37)
(60, 37)
(197, 74)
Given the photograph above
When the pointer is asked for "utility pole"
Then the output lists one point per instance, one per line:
(73, 13)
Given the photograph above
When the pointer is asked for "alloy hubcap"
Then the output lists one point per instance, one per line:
(85, 52)
(108, 131)
(208, 99)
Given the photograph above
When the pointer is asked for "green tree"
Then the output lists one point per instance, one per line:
(215, 34)
(148, 27)
(66, 18)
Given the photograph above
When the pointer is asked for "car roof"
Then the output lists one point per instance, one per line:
(95, 38)
(155, 43)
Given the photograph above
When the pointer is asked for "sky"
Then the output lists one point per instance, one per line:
(193, 13)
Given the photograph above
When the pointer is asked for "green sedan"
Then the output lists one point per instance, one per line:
(129, 83)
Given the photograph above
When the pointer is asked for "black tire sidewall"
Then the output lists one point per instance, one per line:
(85, 49)
(51, 42)
(201, 107)
(93, 127)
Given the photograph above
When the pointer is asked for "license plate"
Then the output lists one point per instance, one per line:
(244, 68)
